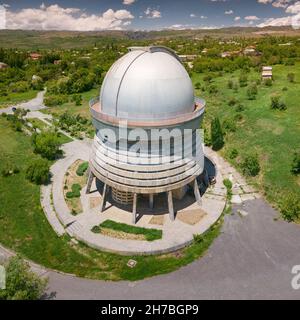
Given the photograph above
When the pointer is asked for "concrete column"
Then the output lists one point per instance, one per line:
(89, 182)
(170, 206)
(103, 201)
(151, 201)
(197, 193)
(134, 208)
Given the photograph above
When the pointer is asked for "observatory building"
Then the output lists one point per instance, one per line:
(147, 140)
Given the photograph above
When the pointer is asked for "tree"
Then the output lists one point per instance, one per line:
(38, 171)
(296, 163)
(217, 138)
(250, 166)
(46, 144)
(291, 77)
(21, 282)
(243, 80)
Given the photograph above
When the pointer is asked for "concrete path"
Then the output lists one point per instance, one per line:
(33, 105)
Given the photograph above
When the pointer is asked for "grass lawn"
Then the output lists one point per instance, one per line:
(149, 234)
(24, 228)
(14, 98)
(273, 135)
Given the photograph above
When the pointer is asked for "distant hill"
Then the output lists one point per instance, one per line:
(73, 39)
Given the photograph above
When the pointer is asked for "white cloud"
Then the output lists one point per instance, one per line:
(152, 13)
(237, 18)
(192, 15)
(294, 8)
(251, 18)
(128, 2)
(276, 22)
(276, 3)
(203, 17)
(229, 12)
(55, 17)
(264, 1)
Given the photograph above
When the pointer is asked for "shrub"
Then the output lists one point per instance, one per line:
(296, 163)
(82, 168)
(55, 100)
(217, 139)
(75, 193)
(207, 78)
(46, 144)
(277, 104)
(229, 125)
(290, 207)
(228, 184)
(197, 85)
(77, 98)
(21, 282)
(250, 166)
(268, 82)
(233, 153)
(252, 92)
(230, 84)
(239, 108)
(212, 89)
(243, 80)
(38, 171)
(284, 89)
(232, 102)
(291, 77)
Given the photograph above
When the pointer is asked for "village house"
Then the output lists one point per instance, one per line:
(3, 65)
(267, 73)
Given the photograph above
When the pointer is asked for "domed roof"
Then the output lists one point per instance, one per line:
(147, 83)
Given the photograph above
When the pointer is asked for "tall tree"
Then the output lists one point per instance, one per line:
(217, 137)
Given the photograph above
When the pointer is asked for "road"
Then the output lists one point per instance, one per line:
(251, 259)
(32, 105)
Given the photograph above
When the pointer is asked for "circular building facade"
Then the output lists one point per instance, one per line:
(147, 120)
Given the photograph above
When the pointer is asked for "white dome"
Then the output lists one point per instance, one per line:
(147, 83)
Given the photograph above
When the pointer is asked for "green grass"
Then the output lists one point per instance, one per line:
(25, 229)
(14, 98)
(273, 135)
(150, 234)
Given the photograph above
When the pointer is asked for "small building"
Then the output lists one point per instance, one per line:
(35, 56)
(267, 73)
(3, 65)
(187, 57)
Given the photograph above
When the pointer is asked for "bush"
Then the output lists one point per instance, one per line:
(82, 169)
(291, 77)
(197, 85)
(296, 163)
(233, 153)
(75, 193)
(77, 98)
(290, 207)
(277, 104)
(268, 82)
(250, 166)
(212, 89)
(46, 144)
(252, 92)
(243, 80)
(21, 282)
(38, 171)
(217, 139)
(55, 100)
(239, 108)
(232, 102)
(229, 125)
(230, 84)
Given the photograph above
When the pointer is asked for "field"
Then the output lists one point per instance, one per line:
(24, 228)
(273, 135)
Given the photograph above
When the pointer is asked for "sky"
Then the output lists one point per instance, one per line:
(94, 15)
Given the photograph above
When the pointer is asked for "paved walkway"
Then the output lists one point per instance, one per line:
(176, 234)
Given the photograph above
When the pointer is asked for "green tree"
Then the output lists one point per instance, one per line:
(46, 144)
(277, 104)
(21, 283)
(38, 171)
(243, 80)
(250, 166)
(217, 138)
(252, 91)
(296, 163)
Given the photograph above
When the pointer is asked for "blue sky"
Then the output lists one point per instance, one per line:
(146, 14)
